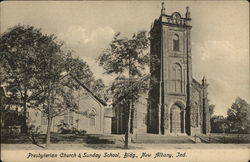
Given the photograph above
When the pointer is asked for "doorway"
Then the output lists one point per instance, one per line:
(176, 120)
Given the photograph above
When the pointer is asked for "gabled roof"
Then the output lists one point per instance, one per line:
(2, 92)
(89, 91)
(196, 83)
(4, 97)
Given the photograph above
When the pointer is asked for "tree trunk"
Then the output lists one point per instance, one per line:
(48, 131)
(127, 127)
(24, 127)
(127, 130)
(49, 122)
(49, 116)
(50, 93)
(132, 111)
(126, 140)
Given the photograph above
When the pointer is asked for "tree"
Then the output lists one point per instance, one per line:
(128, 58)
(99, 88)
(126, 55)
(19, 48)
(238, 116)
(57, 78)
(218, 124)
(38, 74)
(79, 69)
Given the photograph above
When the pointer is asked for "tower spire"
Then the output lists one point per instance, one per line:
(204, 81)
(162, 8)
(187, 13)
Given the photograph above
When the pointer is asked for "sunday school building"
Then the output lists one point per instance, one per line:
(93, 116)
(176, 103)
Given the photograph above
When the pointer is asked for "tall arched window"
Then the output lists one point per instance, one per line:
(44, 119)
(196, 114)
(92, 118)
(177, 78)
(68, 117)
(176, 46)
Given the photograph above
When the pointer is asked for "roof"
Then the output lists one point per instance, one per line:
(196, 83)
(4, 98)
(89, 91)
(2, 92)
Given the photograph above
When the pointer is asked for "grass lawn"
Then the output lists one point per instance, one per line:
(40, 139)
(132, 146)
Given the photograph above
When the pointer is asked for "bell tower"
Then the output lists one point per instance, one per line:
(171, 74)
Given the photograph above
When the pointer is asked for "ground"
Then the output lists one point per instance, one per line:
(116, 142)
(120, 146)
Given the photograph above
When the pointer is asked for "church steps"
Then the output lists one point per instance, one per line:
(154, 138)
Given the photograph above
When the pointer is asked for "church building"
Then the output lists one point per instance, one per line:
(176, 103)
(93, 115)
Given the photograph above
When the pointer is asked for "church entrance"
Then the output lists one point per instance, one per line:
(176, 120)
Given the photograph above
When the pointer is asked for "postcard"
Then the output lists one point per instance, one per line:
(125, 81)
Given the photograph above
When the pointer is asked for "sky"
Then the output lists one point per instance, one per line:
(220, 35)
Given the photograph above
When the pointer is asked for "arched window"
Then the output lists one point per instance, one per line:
(71, 115)
(177, 78)
(176, 42)
(68, 117)
(44, 119)
(92, 118)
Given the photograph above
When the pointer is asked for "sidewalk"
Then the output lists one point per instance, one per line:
(194, 146)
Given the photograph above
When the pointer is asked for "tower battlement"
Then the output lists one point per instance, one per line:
(175, 19)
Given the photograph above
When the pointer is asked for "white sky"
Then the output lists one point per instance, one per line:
(220, 35)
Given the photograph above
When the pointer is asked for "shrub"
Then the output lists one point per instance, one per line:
(34, 133)
(65, 128)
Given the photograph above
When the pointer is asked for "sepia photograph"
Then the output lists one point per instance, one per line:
(124, 80)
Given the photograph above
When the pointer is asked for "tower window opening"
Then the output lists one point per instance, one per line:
(176, 46)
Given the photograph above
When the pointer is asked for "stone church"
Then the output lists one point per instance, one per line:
(176, 103)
